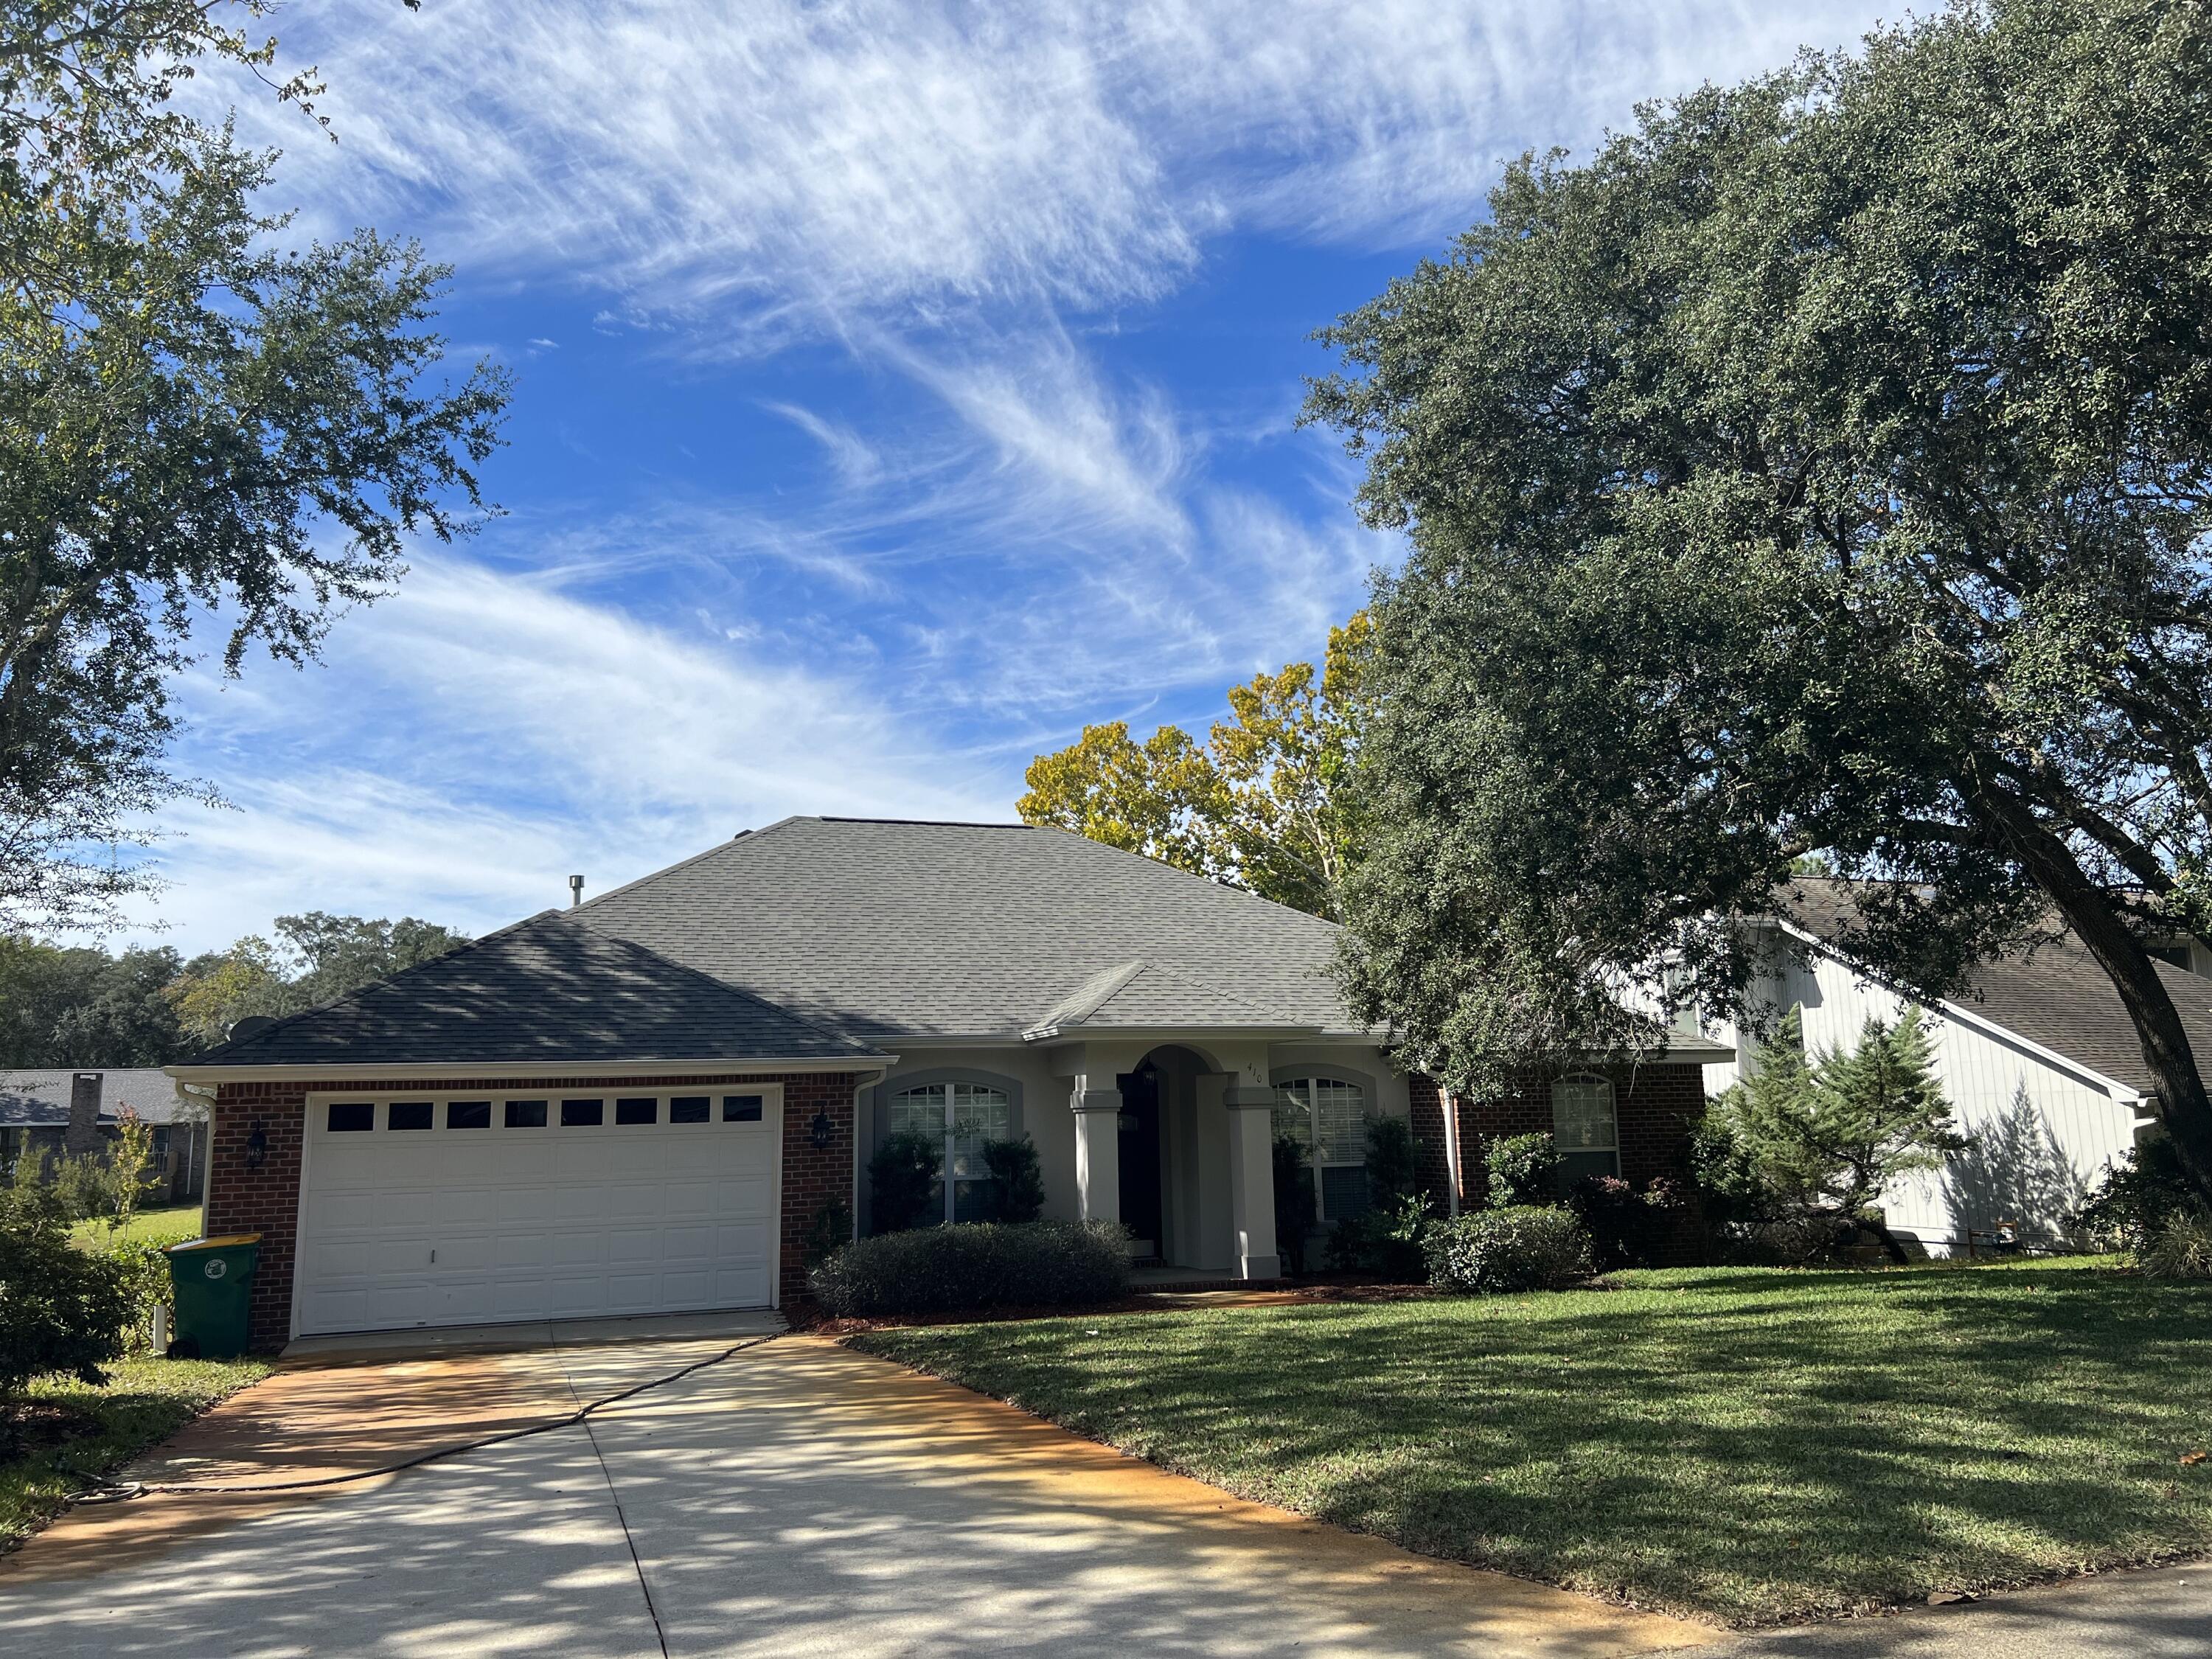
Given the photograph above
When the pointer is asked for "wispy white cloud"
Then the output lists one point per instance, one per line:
(475, 737)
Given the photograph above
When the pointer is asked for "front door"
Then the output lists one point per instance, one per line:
(1140, 1159)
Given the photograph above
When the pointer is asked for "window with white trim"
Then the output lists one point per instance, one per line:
(965, 1116)
(1328, 1117)
(1587, 1128)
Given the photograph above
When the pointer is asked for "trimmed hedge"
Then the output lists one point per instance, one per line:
(1033, 1264)
(1524, 1247)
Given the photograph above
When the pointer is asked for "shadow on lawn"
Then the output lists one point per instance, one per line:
(1752, 1446)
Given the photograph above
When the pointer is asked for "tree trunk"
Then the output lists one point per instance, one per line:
(2183, 1104)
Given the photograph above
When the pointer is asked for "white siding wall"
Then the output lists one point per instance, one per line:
(2042, 1132)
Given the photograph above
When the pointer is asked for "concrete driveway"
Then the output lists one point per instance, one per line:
(798, 1499)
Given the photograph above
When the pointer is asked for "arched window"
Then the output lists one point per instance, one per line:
(1586, 1126)
(1328, 1118)
(966, 1115)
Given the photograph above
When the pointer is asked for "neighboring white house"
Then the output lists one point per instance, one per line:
(2040, 1062)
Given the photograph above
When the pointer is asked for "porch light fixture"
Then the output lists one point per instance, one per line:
(822, 1131)
(257, 1146)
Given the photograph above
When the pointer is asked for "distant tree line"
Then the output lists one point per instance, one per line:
(149, 1006)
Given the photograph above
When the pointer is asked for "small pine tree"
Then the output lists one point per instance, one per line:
(1820, 1140)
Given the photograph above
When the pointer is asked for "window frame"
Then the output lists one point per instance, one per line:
(1613, 1116)
(527, 1092)
(1317, 1158)
(949, 1180)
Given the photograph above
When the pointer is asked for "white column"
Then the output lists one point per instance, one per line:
(1252, 1179)
(1097, 1150)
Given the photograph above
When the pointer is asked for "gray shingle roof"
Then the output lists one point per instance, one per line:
(544, 990)
(1141, 995)
(42, 1097)
(2055, 994)
(889, 929)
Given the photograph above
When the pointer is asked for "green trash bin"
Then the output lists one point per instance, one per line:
(214, 1281)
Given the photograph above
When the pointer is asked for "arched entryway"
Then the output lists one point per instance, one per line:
(1173, 1156)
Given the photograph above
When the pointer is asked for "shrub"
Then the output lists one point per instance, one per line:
(1525, 1170)
(1626, 1223)
(903, 1189)
(2138, 1197)
(1392, 1161)
(974, 1265)
(1386, 1242)
(61, 1309)
(1522, 1247)
(830, 1231)
(1294, 1201)
(2182, 1248)
(1016, 1191)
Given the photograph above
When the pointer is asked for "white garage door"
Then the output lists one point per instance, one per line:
(436, 1210)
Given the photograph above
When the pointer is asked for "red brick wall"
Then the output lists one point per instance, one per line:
(1658, 1105)
(267, 1201)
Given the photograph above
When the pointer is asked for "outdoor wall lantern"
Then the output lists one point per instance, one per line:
(1126, 1121)
(257, 1146)
(822, 1131)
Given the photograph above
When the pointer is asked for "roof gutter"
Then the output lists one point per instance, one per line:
(336, 1071)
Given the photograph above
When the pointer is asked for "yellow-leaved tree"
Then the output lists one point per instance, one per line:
(1261, 805)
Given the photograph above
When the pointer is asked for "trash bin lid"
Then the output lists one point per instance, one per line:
(227, 1242)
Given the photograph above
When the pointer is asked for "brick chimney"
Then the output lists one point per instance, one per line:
(83, 1134)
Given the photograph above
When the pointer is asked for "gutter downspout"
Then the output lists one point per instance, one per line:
(1454, 1178)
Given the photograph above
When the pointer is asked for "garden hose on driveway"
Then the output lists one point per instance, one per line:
(124, 1492)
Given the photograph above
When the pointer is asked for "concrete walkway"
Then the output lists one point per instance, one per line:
(799, 1499)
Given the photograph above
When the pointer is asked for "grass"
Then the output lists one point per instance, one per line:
(1748, 1444)
(166, 1224)
(72, 1433)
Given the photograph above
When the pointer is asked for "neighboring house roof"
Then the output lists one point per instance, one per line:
(545, 990)
(40, 1097)
(891, 929)
(2054, 994)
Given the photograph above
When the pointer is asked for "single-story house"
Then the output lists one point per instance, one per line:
(647, 1102)
(58, 1112)
(2037, 1058)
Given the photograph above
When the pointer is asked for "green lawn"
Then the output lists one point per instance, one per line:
(1748, 1444)
(165, 1225)
(75, 1433)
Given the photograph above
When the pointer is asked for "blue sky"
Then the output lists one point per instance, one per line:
(899, 387)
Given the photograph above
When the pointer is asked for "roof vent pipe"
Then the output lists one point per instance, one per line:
(575, 891)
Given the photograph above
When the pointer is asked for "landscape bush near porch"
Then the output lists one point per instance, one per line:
(970, 1265)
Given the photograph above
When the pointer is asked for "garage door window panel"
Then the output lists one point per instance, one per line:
(526, 1114)
(352, 1116)
(468, 1115)
(410, 1115)
(633, 1113)
(583, 1113)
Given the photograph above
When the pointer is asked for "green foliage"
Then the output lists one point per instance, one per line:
(315, 959)
(974, 1265)
(1824, 467)
(1389, 1242)
(1015, 1192)
(81, 1006)
(1523, 1247)
(1393, 1160)
(1799, 1144)
(62, 1309)
(2139, 1194)
(1261, 805)
(1294, 1200)
(200, 418)
(1523, 1169)
(903, 1182)
(1627, 1224)
(828, 1232)
(2182, 1248)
